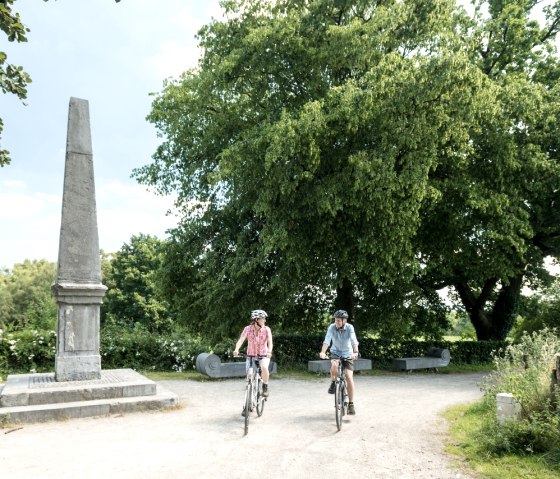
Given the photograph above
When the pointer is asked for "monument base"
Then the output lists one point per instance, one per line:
(39, 397)
(77, 368)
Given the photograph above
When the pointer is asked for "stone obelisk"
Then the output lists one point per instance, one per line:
(78, 289)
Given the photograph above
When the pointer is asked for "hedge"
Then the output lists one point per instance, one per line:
(31, 350)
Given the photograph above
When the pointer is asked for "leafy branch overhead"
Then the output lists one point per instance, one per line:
(13, 78)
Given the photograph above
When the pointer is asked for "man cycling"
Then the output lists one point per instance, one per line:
(344, 345)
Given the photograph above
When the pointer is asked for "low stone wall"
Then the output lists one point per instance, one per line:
(434, 358)
(211, 366)
(324, 365)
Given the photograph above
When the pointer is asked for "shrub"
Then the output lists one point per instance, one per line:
(137, 348)
(27, 351)
(525, 370)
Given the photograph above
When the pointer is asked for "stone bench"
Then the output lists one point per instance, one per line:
(434, 358)
(324, 365)
(211, 366)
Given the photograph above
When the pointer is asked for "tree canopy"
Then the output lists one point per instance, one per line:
(361, 155)
(131, 278)
(26, 300)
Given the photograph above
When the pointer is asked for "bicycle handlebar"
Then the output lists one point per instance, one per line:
(244, 356)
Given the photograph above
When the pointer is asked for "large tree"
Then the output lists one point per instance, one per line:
(133, 294)
(498, 216)
(358, 154)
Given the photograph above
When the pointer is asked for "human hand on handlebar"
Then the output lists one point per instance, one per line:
(323, 355)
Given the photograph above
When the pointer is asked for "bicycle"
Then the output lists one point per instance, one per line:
(254, 398)
(340, 394)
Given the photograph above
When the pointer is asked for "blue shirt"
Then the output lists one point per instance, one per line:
(342, 340)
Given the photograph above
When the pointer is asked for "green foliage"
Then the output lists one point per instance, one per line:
(526, 370)
(538, 311)
(469, 430)
(27, 351)
(26, 300)
(140, 349)
(361, 155)
(13, 79)
(133, 293)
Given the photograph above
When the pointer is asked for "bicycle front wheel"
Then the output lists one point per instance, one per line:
(260, 399)
(247, 407)
(338, 398)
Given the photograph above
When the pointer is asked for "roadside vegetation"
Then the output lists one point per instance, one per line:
(527, 446)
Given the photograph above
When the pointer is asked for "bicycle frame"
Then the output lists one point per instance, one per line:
(254, 398)
(340, 394)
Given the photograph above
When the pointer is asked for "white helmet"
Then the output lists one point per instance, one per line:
(258, 314)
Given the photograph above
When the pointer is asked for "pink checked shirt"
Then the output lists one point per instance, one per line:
(256, 341)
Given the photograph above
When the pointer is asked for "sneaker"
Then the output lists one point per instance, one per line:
(265, 390)
(243, 412)
(331, 388)
(351, 409)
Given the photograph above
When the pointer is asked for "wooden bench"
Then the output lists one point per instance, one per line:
(434, 358)
(324, 365)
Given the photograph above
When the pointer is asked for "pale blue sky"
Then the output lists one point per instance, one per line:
(113, 55)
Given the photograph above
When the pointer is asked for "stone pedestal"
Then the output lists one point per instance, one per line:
(77, 349)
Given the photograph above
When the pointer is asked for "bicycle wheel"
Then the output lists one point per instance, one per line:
(248, 401)
(260, 398)
(338, 398)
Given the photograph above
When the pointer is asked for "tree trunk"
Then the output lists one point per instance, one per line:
(480, 319)
(345, 297)
(497, 324)
(505, 308)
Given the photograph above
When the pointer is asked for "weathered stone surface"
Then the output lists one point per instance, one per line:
(210, 365)
(324, 366)
(78, 289)
(435, 358)
(39, 397)
(507, 407)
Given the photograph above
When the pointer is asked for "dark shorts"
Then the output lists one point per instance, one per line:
(348, 363)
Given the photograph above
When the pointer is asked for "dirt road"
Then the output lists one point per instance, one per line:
(397, 433)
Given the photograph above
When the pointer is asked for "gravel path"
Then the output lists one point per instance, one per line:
(397, 433)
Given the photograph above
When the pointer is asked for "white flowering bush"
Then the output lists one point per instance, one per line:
(26, 351)
(138, 348)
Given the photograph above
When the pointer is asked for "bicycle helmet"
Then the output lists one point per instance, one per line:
(341, 314)
(258, 314)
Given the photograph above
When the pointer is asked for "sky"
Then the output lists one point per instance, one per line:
(113, 55)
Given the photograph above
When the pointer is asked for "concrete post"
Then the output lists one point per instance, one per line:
(507, 407)
(78, 289)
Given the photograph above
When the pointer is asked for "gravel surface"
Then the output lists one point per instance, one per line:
(397, 433)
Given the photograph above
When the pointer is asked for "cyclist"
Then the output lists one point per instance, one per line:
(344, 345)
(259, 343)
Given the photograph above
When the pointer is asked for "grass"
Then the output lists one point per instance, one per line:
(300, 371)
(465, 422)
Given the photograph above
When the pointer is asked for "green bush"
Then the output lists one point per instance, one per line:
(525, 370)
(26, 351)
(294, 348)
(139, 349)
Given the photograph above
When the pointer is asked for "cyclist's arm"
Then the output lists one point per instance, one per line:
(269, 343)
(326, 343)
(239, 343)
(354, 342)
